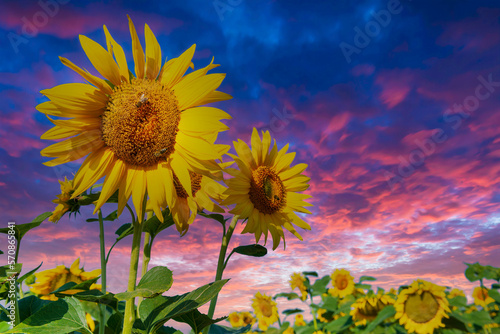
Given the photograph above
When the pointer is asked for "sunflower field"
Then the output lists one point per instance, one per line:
(147, 139)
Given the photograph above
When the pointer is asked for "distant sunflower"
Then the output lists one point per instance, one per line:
(50, 280)
(265, 188)
(241, 319)
(265, 309)
(421, 307)
(299, 320)
(481, 296)
(64, 201)
(138, 131)
(343, 283)
(297, 281)
(367, 308)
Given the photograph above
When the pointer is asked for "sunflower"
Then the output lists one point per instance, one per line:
(320, 313)
(137, 131)
(289, 330)
(297, 281)
(455, 293)
(343, 283)
(367, 308)
(481, 296)
(421, 307)
(50, 280)
(64, 201)
(265, 188)
(240, 319)
(299, 320)
(265, 309)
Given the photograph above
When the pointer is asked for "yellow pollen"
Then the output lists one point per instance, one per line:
(195, 185)
(141, 121)
(267, 191)
(421, 308)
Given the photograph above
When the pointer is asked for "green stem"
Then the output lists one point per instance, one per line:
(102, 308)
(129, 317)
(221, 265)
(313, 312)
(146, 254)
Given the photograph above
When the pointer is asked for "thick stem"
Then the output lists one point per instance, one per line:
(313, 312)
(220, 265)
(146, 254)
(102, 308)
(129, 317)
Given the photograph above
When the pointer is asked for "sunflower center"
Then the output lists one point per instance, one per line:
(195, 185)
(141, 122)
(421, 308)
(267, 309)
(267, 191)
(341, 283)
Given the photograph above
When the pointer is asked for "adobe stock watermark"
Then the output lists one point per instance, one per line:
(278, 121)
(31, 26)
(222, 7)
(372, 28)
(454, 118)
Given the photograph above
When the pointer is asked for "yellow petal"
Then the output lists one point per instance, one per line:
(213, 97)
(137, 51)
(180, 168)
(256, 147)
(153, 54)
(88, 139)
(125, 189)
(188, 95)
(98, 82)
(58, 132)
(139, 191)
(167, 178)
(54, 109)
(111, 183)
(77, 95)
(93, 168)
(101, 59)
(156, 190)
(294, 171)
(117, 50)
(177, 67)
(196, 146)
(199, 73)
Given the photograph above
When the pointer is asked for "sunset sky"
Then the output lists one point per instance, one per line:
(393, 105)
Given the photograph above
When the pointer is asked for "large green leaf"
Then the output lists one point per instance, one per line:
(155, 282)
(215, 216)
(339, 325)
(109, 218)
(218, 329)
(330, 303)
(60, 317)
(366, 278)
(196, 320)
(21, 229)
(30, 305)
(292, 311)
(287, 295)
(154, 312)
(251, 250)
(85, 285)
(386, 313)
(97, 296)
(319, 286)
(154, 226)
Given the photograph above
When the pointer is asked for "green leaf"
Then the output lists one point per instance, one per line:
(154, 312)
(340, 324)
(109, 218)
(97, 296)
(9, 271)
(362, 286)
(387, 312)
(60, 317)
(25, 276)
(292, 311)
(156, 281)
(366, 278)
(218, 329)
(481, 318)
(495, 286)
(215, 216)
(495, 295)
(115, 322)
(474, 272)
(453, 323)
(196, 320)
(251, 250)
(30, 305)
(127, 229)
(21, 229)
(154, 226)
(458, 301)
(85, 285)
(330, 303)
(287, 295)
(1, 252)
(310, 273)
(319, 286)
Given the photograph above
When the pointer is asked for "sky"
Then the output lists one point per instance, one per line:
(393, 105)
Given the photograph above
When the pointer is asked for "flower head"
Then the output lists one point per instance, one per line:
(343, 283)
(266, 189)
(240, 319)
(455, 293)
(64, 201)
(481, 296)
(265, 310)
(140, 132)
(299, 320)
(297, 281)
(367, 308)
(421, 307)
(50, 280)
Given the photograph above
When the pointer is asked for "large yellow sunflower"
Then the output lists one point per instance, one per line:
(343, 283)
(265, 309)
(50, 280)
(367, 308)
(421, 307)
(138, 131)
(297, 281)
(265, 188)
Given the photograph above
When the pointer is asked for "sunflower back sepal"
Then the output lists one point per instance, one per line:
(255, 250)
